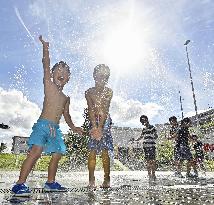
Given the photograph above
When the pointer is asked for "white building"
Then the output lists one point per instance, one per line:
(123, 135)
(19, 145)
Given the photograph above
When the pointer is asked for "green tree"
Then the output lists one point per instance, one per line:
(165, 153)
(77, 151)
(3, 147)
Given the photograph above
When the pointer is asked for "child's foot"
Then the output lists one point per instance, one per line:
(189, 175)
(54, 187)
(204, 172)
(91, 184)
(21, 190)
(196, 174)
(152, 178)
(106, 184)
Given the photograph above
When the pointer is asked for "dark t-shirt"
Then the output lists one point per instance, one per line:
(182, 137)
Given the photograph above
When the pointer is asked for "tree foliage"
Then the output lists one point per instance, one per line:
(3, 147)
(165, 153)
(77, 151)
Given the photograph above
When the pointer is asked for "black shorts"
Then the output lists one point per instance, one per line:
(182, 152)
(199, 158)
(149, 153)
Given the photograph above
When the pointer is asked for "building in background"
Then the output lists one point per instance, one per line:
(123, 137)
(19, 145)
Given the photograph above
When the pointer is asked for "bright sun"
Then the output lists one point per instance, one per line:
(124, 49)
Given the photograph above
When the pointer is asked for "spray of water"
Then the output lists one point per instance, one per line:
(23, 24)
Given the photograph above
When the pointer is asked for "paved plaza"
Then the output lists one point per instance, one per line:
(127, 187)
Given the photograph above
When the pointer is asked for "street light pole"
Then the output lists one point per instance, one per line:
(190, 75)
(182, 113)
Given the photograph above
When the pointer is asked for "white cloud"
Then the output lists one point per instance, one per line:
(17, 112)
(127, 112)
(123, 112)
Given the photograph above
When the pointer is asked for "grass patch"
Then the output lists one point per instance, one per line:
(14, 162)
(10, 162)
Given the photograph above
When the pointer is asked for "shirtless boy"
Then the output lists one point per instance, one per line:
(46, 135)
(98, 101)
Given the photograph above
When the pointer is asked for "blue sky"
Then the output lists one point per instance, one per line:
(141, 41)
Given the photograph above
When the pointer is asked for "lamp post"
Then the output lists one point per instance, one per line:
(182, 113)
(190, 75)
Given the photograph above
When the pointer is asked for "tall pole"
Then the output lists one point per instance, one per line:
(190, 75)
(182, 113)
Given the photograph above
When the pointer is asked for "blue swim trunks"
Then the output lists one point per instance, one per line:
(106, 141)
(47, 134)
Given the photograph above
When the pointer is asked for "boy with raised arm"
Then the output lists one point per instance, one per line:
(46, 136)
(98, 101)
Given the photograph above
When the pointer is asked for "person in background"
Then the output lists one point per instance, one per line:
(183, 149)
(148, 138)
(198, 154)
(173, 136)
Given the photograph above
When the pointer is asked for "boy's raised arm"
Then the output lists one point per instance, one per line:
(46, 59)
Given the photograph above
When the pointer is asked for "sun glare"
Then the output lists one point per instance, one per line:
(124, 49)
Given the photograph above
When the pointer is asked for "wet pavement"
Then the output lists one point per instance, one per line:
(127, 187)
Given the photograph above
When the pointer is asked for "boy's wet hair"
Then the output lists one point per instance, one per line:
(186, 120)
(173, 118)
(102, 67)
(143, 117)
(63, 64)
